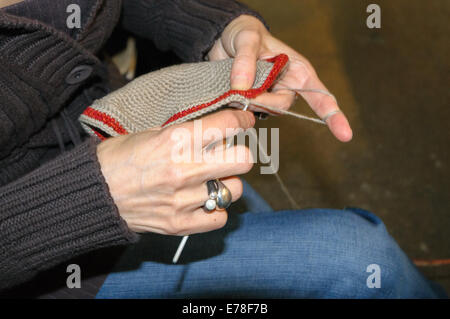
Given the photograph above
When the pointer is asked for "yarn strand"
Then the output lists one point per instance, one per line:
(279, 180)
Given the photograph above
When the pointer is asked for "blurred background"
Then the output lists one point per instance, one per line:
(393, 84)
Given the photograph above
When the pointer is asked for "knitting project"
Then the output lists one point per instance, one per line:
(173, 95)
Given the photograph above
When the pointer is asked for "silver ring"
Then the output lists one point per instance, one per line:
(219, 195)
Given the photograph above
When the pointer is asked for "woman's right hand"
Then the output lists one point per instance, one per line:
(156, 194)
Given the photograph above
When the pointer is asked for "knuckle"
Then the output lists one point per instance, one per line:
(167, 133)
(251, 119)
(237, 119)
(246, 164)
(175, 225)
(176, 176)
(176, 203)
(171, 226)
(231, 119)
(287, 102)
(250, 37)
(174, 134)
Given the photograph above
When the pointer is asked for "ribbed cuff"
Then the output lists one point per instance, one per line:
(187, 27)
(194, 26)
(59, 211)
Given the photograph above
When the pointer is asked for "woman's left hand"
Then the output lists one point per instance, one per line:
(246, 39)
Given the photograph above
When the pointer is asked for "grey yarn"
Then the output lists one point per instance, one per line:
(150, 100)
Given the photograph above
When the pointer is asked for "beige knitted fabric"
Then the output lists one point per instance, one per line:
(173, 95)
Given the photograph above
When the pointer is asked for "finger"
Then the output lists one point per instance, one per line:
(217, 126)
(181, 224)
(327, 109)
(194, 197)
(247, 45)
(220, 162)
(325, 106)
(281, 100)
(200, 221)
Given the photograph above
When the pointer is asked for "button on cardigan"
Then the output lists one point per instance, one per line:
(56, 206)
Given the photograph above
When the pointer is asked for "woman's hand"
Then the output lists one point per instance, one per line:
(155, 193)
(247, 40)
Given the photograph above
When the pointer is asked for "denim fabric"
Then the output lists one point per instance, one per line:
(311, 253)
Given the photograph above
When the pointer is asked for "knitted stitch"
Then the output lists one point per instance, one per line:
(50, 214)
(173, 95)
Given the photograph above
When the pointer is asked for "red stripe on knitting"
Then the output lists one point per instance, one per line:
(100, 136)
(278, 64)
(105, 119)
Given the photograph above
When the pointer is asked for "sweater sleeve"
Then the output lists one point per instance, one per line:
(56, 212)
(187, 27)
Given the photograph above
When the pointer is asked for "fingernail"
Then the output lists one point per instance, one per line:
(239, 82)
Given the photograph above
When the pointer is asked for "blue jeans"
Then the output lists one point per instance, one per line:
(311, 253)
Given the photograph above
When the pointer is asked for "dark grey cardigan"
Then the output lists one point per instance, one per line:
(56, 206)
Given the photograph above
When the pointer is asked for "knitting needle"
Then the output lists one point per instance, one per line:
(180, 249)
(300, 116)
(185, 238)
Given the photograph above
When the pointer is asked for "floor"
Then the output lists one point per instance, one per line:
(393, 85)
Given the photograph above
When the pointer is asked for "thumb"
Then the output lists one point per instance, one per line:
(243, 70)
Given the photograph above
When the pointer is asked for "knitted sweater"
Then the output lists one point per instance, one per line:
(55, 206)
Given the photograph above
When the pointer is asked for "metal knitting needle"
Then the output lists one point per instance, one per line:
(185, 238)
(297, 115)
(180, 249)
(229, 143)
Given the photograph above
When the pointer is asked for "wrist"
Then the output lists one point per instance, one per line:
(107, 157)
